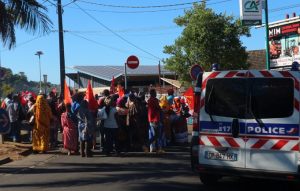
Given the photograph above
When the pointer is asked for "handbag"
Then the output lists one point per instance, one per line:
(101, 114)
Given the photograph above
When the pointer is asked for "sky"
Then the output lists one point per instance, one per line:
(106, 32)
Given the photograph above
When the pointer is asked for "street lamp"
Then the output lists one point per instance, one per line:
(45, 83)
(39, 53)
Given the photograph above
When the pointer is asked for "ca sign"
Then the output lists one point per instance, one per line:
(251, 12)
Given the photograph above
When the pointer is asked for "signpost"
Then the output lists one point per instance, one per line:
(251, 12)
(132, 62)
(4, 124)
(195, 70)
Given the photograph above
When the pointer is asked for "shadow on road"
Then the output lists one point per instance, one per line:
(138, 171)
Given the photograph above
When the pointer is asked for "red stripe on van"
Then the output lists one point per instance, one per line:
(266, 74)
(214, 141)
(232, 142)
(296, 147)
(279, 144)
(201, 142)
(259, 144)
(230, 74)
(212, 75)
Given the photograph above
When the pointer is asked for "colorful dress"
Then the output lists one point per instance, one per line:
(70, 132)
(41, 129)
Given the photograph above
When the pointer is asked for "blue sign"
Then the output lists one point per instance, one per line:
(195, 70)
(4, 122)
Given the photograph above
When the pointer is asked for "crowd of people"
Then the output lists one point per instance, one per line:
(123, 123)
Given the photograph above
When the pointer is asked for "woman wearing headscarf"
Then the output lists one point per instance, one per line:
(123, 132)
(85, 129)
(134, 119)
(41, 129)
(166, 113)
(111, 126)
(70, 132)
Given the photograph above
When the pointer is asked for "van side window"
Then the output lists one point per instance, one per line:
(248, 98)
(272, 97)
(226, 97)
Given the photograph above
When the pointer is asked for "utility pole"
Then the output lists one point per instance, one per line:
(61, 48)
(267, 36)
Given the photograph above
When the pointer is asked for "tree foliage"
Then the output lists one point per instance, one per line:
(14, 83)
(26, 14)
(207, 38)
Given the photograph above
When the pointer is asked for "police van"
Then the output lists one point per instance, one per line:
(247, 125)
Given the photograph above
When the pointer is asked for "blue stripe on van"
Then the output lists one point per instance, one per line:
(251, 128)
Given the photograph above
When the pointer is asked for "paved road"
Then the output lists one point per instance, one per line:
(134, 171)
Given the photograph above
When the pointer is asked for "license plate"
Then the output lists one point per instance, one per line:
(221, 156)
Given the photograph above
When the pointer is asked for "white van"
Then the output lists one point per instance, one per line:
(248, 125)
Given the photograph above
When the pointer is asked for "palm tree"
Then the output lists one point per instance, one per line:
(26, 14)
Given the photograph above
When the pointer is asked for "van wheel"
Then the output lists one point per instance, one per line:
(209, 180)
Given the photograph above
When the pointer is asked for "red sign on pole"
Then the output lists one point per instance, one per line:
(195, 70)
(132, 62)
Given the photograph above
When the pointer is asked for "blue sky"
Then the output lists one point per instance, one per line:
(87, 42)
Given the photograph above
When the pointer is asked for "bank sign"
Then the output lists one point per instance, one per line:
(251, 12)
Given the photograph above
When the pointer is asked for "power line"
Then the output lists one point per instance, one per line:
(150, 11)
(116, 34)
(50, 2)
(104, 45)
(141, 7)
(284, 8)
(72, 1)
(24, 43)
(90, 33)
(145, 29)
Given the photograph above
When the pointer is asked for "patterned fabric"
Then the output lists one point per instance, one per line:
(41, 129)
(70, 134)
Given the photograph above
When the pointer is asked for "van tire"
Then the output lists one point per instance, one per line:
(209, 179)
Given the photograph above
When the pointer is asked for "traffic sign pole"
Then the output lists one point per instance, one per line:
(132, 62)
(267, 36)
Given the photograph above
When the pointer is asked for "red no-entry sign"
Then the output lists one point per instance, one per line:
(132, 62)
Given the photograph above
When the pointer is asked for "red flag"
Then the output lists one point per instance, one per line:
(112, 86)
(67, 95)
(89, 96)
(189, 95)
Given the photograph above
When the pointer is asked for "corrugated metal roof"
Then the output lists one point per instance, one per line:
(107, 72)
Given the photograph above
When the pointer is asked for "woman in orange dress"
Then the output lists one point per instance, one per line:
(41, 129)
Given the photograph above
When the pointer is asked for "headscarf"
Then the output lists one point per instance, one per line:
(163, 103)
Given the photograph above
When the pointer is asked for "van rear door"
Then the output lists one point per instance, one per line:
(272, 132)
(223, 107)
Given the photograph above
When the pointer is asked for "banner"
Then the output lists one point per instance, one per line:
(189, 96)
(284, 43)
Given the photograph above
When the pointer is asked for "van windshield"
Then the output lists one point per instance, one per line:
(248, 98)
